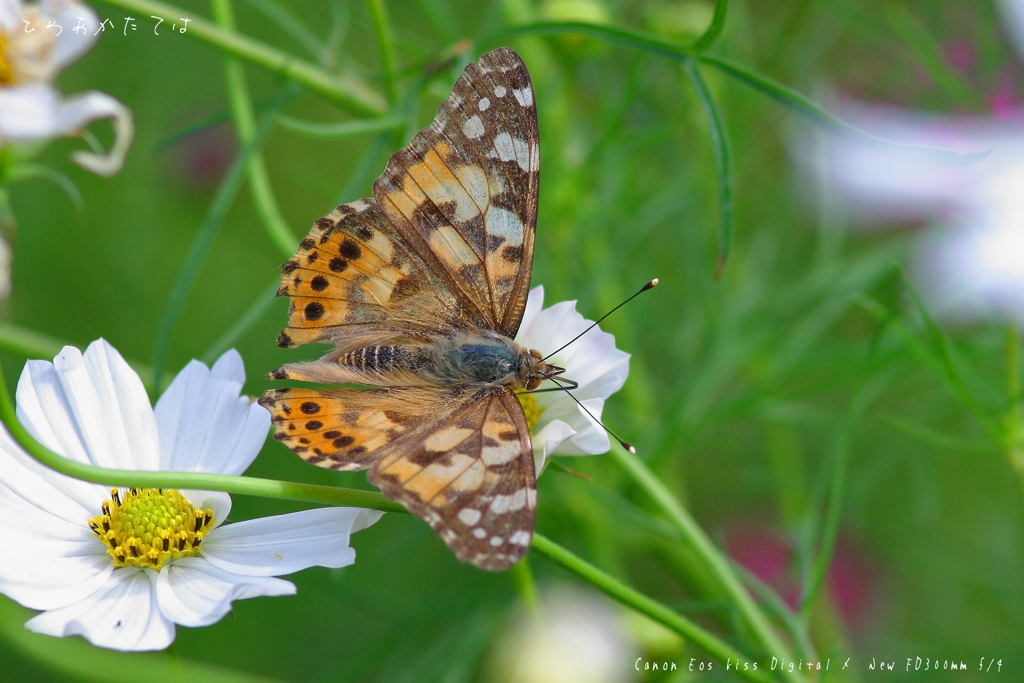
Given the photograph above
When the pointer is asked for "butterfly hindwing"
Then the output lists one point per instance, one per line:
(353, 273)
(465, 190)
(470, 475)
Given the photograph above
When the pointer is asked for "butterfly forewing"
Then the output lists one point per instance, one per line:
(353, 273)
(465, 190)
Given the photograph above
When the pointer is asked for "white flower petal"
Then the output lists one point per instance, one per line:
(193, 592)
(204, 425)
(69, 45)
(28, 112)
(122, 615)
(98, 409)
(547, 440)
(48, 575)
(10, 14)
(49, 493)
(78, 111)
(534, 304)
(273, 546)
(217, 501)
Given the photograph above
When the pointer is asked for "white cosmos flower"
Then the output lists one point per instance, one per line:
(31, 56)
(93, 409)
(592, 361)
(970, 266)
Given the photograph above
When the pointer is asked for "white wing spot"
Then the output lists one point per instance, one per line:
(518, 500)
(473, 128)
(499, 91)
(480, 533)
(501, 504)
(503, 223)
(483, 103)
(520, 538)
(503, 453)
(496, 541)
(512, 149)
(524, 96)
(469, 516)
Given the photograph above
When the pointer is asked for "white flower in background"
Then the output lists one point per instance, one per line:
(57, 33)
(972, 266)
(122, 568)
(558, 425)
(578, 637)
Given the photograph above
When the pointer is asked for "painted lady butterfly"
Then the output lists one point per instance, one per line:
(422, 289)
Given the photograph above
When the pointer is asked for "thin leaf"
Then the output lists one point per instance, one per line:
(929, 54)
(708, 38)
(281, 18)
(340, 129)
(723, 161)
(385, 45)
(28, 171)
(936, 438)
(837, 488)
(204, 239)
(803, 106)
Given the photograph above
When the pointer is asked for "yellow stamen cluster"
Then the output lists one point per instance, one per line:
(149, 527)
(6, 72)
(530, 407)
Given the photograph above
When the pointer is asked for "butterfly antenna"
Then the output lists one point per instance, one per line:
(622, 443)
(650, 285)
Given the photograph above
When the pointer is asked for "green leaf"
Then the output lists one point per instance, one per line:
(723, 162)
(27, 171)
(341, 129)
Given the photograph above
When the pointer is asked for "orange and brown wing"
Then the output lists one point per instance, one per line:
(464, 191)
(470, 475)
(354, 275)
(461, 460)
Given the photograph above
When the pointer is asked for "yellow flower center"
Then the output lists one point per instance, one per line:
(530, 407)
(6, 73)
(149, 527)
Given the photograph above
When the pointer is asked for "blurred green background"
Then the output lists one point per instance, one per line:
(743, 391)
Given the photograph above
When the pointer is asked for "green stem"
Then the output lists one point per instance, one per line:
(700, 544)
(522, 579)
(346, 90)
(245, 126)
(340, 129)
(708, 38)
(386, 45)
(645, 605)
(309, 493)
(1015, 414)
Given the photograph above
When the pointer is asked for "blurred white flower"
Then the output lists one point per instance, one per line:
(558, 424)
(972, 266)
(578, 637)
(121, 568)
(36, 42)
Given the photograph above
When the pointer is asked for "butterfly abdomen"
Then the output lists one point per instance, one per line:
(388, 359)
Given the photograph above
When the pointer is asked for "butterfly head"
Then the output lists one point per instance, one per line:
(533, 370)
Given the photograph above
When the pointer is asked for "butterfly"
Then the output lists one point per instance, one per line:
(422, 288)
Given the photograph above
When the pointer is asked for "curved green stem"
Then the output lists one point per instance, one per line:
(700, 544)
(345, 90)
(309, 493)
(386, 46)
(245, 126)
(522, 579)
(645, 605)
